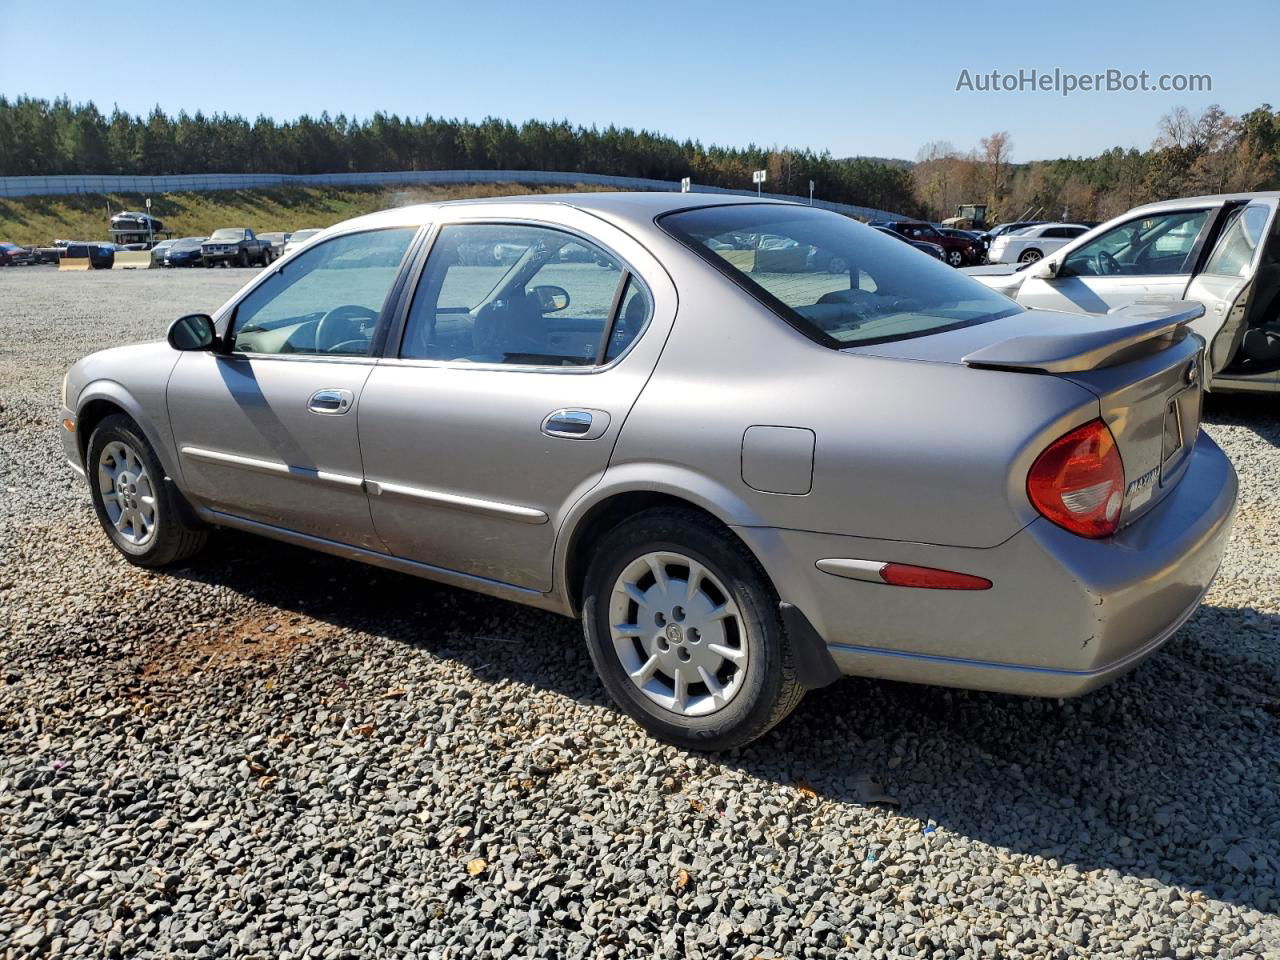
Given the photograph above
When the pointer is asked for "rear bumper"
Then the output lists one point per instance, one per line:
(1064, 615)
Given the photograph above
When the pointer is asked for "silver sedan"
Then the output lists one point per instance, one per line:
(748, 468)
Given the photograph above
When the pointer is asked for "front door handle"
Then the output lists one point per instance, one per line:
(331, 402)
(576, 424)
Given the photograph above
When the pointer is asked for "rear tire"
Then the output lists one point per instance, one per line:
(139, 508)
(1030, 256)
(728, 631)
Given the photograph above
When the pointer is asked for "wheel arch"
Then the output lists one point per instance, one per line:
(99, 400)
(626, 491)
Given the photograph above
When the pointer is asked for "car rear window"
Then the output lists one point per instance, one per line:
(839, 282)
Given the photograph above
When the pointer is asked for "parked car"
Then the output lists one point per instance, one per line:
(1220, 251)
(957, 251)
(101, 256)
(1029, 244)
(1000, 229)
(932, 249)
(894, 472)
(300, 237)
(977, 236)
(236, 246)
(185, 252)
(128, 228)
(12, 255)
(278, 242)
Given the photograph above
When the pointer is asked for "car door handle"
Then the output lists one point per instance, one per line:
(331, 402)
(576, 424)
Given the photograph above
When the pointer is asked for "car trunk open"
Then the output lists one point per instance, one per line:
(1141, 362)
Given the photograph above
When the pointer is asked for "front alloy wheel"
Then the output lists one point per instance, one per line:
(955, 258)
(127, 494)
(140, 510)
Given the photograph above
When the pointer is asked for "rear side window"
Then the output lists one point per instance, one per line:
(523, 295)
(1240, 239)
(837, 281)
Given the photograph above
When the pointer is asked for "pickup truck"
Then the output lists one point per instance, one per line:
(235, 245)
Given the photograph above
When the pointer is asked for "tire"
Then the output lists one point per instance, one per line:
(173, 535)
(837, 265)
(208, 264)
(955, 258)
(244, 258)
(760, 692)
(1030, 256)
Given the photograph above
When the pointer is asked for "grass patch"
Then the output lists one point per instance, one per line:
(39, 220)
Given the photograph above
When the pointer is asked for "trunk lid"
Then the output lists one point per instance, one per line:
(1140, 362)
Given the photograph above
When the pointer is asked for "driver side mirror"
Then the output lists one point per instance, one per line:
(1045, 270)
(195, 331)
(551, 299)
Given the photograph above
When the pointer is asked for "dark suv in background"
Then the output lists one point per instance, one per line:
(957, 251)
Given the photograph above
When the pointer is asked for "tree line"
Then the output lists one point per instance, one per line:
(42, 137)
(1192, 154)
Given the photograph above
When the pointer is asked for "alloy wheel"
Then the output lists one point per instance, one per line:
(678, 633)
(127, 494)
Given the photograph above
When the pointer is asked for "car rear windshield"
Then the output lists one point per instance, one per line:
(839, 282)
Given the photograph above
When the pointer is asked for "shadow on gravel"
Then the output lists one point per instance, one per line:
(1169, 774)
(1257, 412)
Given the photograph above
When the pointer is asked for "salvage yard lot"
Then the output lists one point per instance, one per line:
(272, 753)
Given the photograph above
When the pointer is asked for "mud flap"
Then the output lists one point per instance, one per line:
(814, 665)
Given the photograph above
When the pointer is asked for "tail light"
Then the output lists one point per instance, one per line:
(1078, 481)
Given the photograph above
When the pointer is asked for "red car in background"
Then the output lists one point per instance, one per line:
(958, 251)
(12, 255)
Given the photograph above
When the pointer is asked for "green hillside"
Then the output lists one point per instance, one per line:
(39, 220)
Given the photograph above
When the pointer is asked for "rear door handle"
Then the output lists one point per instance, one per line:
(331, 402)
(576, 424)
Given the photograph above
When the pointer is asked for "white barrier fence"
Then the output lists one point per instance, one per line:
(199, 182)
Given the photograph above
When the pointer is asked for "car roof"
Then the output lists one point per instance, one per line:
(1206, 200)
(633, 208)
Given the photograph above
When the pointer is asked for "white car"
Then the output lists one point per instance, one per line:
(1033, 243)
(300, 237)
(1220, 251)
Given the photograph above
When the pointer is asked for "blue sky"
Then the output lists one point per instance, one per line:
(851, 77)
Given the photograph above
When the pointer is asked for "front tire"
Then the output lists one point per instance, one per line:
(137, 506)
(244, 258)
(684, 630)
(955, 258)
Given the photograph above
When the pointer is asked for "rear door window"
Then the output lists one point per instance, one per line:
(1241, 237)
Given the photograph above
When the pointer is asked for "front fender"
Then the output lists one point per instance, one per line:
(154, 427)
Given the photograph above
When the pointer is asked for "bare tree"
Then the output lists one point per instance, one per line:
(993, 154)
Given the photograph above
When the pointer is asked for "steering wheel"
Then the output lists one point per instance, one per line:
(343, 327)
(1106, 264)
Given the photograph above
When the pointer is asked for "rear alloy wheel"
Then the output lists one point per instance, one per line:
(137, 507)
(684, 630)
(1030, 256)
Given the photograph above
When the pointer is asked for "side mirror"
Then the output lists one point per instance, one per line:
(195, 331)
(551, 299)
(1045, 270)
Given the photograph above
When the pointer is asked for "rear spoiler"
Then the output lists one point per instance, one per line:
(1079, 342)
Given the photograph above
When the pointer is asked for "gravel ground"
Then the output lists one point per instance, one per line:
(278, 754)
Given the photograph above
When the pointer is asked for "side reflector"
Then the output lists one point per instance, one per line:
(69, 426)
(902, 575)
(907, 575)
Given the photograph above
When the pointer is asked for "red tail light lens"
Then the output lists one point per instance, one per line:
(1078, 482)
(930, 578)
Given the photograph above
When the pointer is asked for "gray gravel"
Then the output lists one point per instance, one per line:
(278, 754)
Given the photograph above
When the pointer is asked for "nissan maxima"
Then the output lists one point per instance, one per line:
(745, 482)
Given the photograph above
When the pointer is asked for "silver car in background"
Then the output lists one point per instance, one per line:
(1220, 251)
(748, 474)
